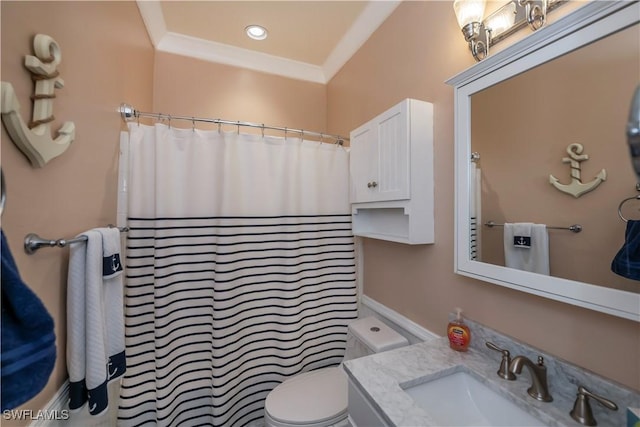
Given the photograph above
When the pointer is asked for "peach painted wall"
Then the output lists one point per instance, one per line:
(193, 87)
(411, 55)
(107, 59)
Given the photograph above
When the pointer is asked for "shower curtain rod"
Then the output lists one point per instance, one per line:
(128, 113)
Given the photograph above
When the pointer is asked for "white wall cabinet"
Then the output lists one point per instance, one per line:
(380, 157)
(391, 168)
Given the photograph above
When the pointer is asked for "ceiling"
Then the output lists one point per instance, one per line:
(307, 40)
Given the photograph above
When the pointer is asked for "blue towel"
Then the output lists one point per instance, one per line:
(28, 340)
(626, 263)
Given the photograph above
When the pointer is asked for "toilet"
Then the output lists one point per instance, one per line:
(319, 398)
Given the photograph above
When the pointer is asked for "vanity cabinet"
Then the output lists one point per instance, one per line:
(391, 169)
(361, 411)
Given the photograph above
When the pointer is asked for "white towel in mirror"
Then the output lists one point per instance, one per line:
(526, 247)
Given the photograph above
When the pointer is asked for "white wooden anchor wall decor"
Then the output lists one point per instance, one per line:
(34, 139)
(577, 188)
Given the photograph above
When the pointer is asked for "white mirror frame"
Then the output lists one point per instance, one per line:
(586, 24)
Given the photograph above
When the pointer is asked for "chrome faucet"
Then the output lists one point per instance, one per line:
(581, 411)
(538, 389)
(503, 372)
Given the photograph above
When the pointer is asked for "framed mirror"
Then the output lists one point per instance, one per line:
(523, 110)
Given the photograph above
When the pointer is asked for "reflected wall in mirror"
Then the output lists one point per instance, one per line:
(521, 127)
(569, 82)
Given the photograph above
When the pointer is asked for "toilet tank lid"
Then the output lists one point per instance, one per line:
(377, 335)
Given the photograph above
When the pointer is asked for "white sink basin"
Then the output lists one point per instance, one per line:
(459, 399)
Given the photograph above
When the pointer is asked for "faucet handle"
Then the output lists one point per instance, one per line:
(581, 411)
(503, 372)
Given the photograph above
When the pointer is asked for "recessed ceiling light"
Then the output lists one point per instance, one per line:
(256, 32)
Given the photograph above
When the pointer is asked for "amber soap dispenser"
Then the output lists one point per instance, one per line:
(458, 333)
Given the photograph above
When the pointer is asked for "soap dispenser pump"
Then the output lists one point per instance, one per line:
(458, 333)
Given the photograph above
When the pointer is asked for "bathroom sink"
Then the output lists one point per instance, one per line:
(459, 399)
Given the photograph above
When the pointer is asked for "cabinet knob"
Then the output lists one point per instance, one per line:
(372, 184)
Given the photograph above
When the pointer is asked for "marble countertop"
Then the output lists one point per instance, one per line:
(382, 378)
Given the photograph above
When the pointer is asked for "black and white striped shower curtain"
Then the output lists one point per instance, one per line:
(475, 212)
(240, 271)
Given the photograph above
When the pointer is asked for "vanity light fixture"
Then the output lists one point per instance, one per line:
(256, 32)
(481, 33)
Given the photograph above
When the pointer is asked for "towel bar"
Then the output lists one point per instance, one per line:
(33, 242)
(576, 228)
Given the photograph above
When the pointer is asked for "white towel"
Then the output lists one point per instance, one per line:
(113, 301)
(526, 247)
(76, 326)
(95, 323)
(95, 345)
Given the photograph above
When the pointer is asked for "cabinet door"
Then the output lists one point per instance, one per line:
(363, 163)
(393, 154)
(379, 158)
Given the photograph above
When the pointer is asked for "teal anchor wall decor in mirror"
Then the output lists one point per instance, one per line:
(34, 138)
(576, 187)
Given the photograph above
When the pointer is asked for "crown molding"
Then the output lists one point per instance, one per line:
(239, 57)
(153, 19)
(373, 15)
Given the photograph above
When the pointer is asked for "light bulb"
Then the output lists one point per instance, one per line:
(468, 11)
(502, 20)
(256, 32)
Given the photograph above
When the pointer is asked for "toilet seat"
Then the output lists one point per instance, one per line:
(317, 398)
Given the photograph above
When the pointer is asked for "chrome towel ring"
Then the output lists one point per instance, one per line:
(3, 192)
(622, 203)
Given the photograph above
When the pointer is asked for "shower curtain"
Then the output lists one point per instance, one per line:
(475, 211)
(240, 271)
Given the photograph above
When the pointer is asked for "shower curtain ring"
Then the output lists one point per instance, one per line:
(238, 127)
(169, 117)
(285, 134)
(219, 125)
(193, 124)
(263, 130)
